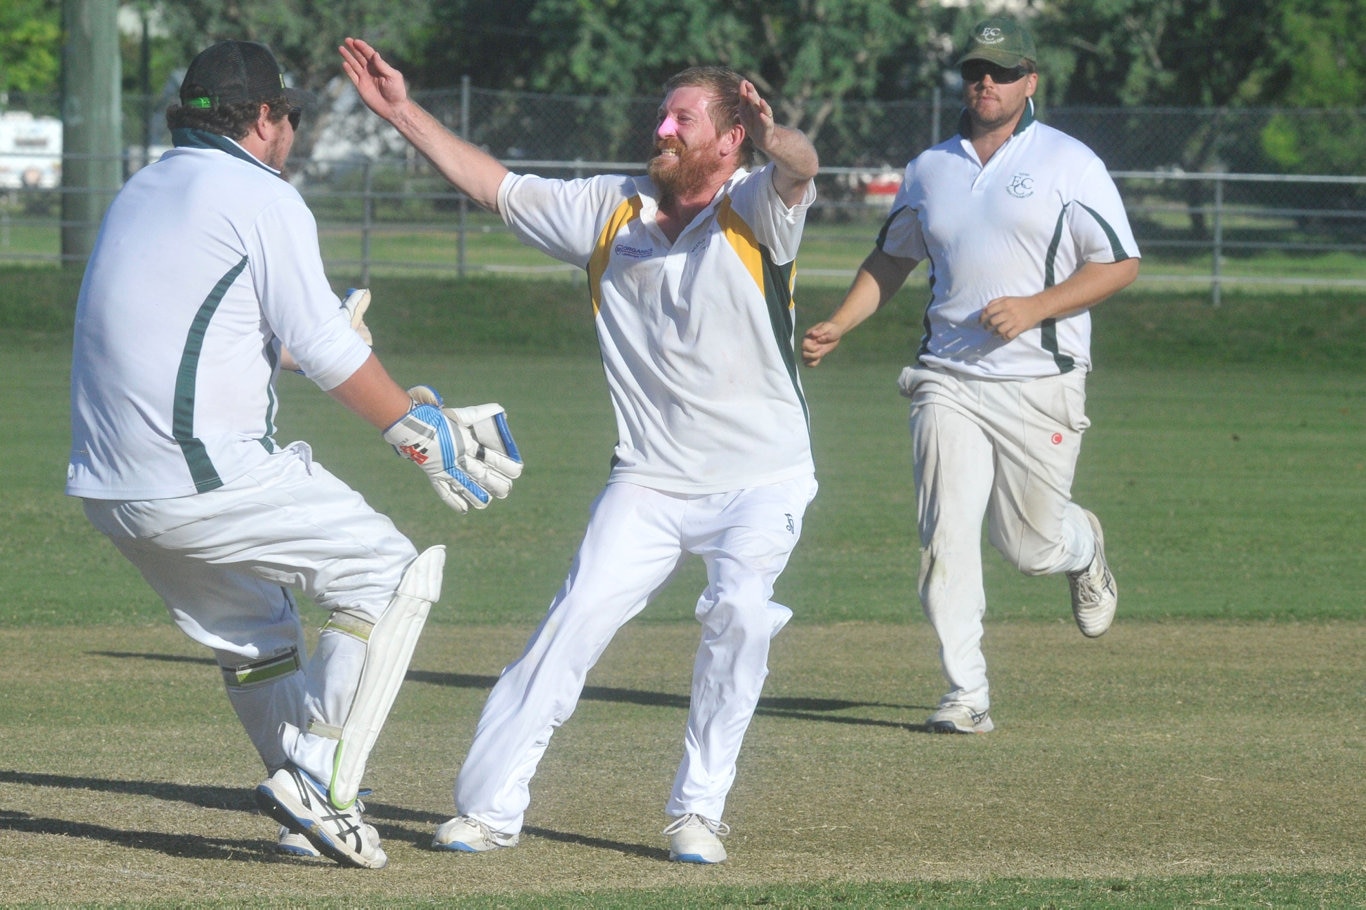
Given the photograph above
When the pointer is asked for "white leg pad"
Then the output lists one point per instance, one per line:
(388, 651)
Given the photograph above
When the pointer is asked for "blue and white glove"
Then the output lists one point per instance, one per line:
(468, 453)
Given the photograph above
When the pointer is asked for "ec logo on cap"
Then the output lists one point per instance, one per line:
(991, 35)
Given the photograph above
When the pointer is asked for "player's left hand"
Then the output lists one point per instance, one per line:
(380, 86)
(820, 340)
(1009, 317)
(486, 427)
(468, 453)
(756, 115)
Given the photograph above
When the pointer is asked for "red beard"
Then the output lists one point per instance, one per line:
(687, 174)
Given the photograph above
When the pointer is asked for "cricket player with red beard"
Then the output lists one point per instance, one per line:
(690, 272)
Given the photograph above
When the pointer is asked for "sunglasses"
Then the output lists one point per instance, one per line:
(294, 116)
(975, 71)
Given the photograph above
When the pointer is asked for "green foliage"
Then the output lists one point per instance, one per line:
(805, 56)
(810, 58)
(1321, 44)
(497, 43)
(1322, 48)
(1168, 52)
(30, 54)
(304, 34)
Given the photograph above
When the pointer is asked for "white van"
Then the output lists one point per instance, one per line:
(30, 151)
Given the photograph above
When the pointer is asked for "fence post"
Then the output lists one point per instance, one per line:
(462, 225)
(936, 111)
(92, 125)
(366, 223)
(1217, 266)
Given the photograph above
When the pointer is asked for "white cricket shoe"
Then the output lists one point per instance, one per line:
(1094, 594)
(469, 835)
(694, 839)
(290, 843)
(959, 718)
(297, 801)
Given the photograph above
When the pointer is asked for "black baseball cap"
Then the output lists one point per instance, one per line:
(230, 72)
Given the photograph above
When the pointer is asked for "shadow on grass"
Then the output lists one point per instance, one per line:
(179, 844)
(820, 710)
(234, 799)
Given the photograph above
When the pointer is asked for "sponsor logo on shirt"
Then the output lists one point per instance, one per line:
(631, 252)
(1021, 186)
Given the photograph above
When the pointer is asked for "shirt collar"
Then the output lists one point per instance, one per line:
(187, 137)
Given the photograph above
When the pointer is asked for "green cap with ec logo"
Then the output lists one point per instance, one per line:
(1002, 41)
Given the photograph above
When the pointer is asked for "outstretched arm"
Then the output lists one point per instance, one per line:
(877, 280)
(471, 170)
(794, 157)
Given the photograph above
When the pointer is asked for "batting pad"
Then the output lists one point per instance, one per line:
(388, 651)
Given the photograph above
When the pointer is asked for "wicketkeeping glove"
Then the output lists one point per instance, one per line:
(468, 453)
(356, 302)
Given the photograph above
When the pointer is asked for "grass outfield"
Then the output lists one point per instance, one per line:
(1207, 751)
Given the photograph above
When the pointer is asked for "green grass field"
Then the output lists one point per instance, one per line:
(1205, 752)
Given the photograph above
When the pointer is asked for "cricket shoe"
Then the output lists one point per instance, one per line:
(291, 843)
(1094, 595)
(469, 835)
(297, 801)
(694, 839)
(959, 718)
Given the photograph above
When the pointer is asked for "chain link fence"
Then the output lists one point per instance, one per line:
(1209, 202)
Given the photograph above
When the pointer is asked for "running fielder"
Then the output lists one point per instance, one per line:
(1024, 232)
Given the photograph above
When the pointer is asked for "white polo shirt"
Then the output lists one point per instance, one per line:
(205, 262)
(696, 335)
(1042, 206)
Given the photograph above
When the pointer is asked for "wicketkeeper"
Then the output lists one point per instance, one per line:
(206, 267)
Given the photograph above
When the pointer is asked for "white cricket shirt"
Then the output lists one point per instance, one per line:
(696, 335)
(205, 263)
(1042, 206)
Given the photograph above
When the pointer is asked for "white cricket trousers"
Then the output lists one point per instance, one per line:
(1003, 451)
(636, 538)
(225, 562)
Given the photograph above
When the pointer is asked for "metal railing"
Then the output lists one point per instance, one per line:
(1214, 230)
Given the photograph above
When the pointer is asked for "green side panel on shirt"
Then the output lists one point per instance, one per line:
(775, 281)
(1048, 329)
(197, 459)
(1116, 248)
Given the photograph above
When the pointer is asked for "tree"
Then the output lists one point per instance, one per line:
(31, 54)
(1201, 53)
(804, 55)
(304, 34)
(1322, 53)
(493, 42)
